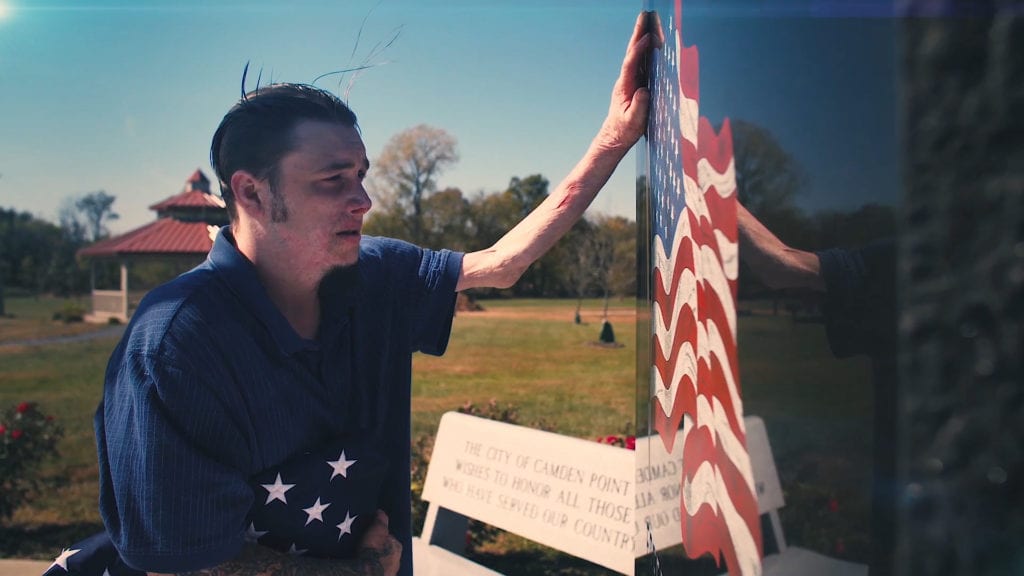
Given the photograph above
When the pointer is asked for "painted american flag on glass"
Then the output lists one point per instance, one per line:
(694, 256)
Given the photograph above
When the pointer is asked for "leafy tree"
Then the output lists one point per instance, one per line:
(72, 222)
(446, 216)
(388, 221)
(491, 216)
(545, 277)
(37, 256)
(527, 192)
(406, 172)
(96, 209)
(768, 178)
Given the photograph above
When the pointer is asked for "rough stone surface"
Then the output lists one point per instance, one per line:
(962, 292)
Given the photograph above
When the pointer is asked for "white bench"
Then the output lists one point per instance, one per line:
(790, 560)
(658, 498)
(587, 499)
(573, 495)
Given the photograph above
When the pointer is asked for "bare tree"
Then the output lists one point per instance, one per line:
(407, 171)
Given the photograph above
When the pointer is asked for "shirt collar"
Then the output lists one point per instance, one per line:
(240, 275)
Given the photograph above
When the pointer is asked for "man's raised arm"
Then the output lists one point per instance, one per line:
(501, 265)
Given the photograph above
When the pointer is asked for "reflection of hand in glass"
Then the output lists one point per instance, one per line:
(859, 284)
(776, 264)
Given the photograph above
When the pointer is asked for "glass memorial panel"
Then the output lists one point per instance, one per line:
(767, 193)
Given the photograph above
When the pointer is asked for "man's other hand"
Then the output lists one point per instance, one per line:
(379, 550)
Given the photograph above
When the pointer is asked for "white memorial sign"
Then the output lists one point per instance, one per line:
(574, 495)
(658, 481)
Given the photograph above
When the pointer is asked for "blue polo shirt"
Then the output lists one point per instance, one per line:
(211, 385)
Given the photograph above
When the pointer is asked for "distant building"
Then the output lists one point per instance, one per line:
(179, 239)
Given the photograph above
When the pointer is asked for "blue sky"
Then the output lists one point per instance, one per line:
(124, 95)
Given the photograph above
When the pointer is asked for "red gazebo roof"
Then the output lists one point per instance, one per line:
(165, 236)
(189, 199)
(186, 225)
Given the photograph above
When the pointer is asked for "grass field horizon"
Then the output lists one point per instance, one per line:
(531, 354)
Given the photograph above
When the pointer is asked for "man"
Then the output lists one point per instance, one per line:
(860, 319)
(297, 330)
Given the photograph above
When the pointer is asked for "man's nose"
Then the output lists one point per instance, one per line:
(360, 202)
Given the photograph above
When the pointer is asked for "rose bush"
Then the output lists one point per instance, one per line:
(27, 438)
(625, 441)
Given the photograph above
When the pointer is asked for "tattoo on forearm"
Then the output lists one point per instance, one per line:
(255, 560)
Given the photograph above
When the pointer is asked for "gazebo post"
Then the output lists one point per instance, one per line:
(92, 284)
(124, 290)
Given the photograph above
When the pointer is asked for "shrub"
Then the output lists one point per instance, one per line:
(27, 438)
(70, 312)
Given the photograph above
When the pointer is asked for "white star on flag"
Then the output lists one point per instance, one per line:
(346, 526)
(276, 490)
(252, 534)
(315, 512)
(62, 560)
(293, 551)
(340, 466)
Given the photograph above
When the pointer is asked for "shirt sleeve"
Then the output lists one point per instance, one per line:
(434, 308)
(860, 298)
(172, 495)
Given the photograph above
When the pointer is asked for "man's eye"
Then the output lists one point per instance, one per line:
(334, 178)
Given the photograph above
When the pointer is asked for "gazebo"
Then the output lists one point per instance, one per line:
(182, 234)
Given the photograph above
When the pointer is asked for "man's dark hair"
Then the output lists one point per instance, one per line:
(257, 132)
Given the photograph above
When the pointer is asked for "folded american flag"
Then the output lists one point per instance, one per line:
(318, 504)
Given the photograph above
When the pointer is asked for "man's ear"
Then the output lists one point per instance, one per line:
(250, 192)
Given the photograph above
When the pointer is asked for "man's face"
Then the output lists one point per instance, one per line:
(315, 220)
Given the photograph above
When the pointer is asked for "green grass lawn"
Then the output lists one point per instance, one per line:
(531, 354)
(30, 318)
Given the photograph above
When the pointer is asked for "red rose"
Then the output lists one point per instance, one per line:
(23, 407)
(833, 505)
(611, 440)
(49, 418)
(15, 434)
(631, 442)
(3, 429)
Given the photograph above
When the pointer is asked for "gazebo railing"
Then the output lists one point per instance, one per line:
(108, 303)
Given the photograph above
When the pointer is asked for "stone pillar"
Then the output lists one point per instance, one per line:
(962, 290)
